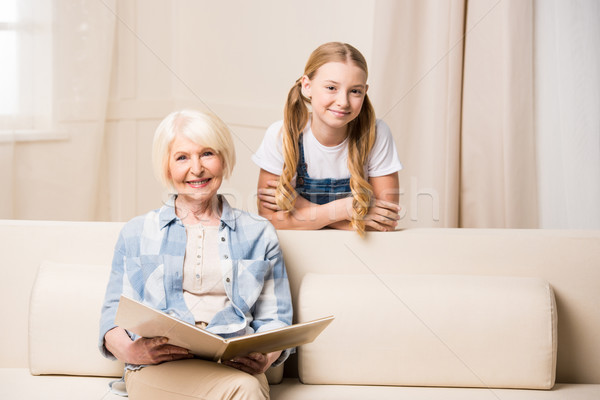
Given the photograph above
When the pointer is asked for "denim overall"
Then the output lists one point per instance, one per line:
(319, 191)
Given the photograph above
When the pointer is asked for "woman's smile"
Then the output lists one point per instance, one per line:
(198, 183)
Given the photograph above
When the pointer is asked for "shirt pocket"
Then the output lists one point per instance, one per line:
(144, 280)
(251, 276)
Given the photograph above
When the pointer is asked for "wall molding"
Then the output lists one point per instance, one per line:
(252, 116)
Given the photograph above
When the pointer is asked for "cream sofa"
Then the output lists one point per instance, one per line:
(420, 314)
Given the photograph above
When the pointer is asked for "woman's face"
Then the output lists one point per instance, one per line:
(196, 171)
(337, 92)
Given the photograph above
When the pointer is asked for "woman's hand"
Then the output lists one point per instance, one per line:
(383, 216)
(142, 351)
(155, 351)
(253, 363)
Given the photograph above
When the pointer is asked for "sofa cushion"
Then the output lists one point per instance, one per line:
(430, 330)
(64, 315)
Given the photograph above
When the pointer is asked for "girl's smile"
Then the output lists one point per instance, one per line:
(340, 114)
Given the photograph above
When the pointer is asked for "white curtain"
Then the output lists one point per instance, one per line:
(54, 167)
(416, 85)
(495, 105)
(567, 112)
(498, 172)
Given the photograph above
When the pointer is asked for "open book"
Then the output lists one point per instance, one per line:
(148, 322)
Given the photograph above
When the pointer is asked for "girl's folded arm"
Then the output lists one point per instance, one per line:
(384, 212)
(386, 187)
(305, 215)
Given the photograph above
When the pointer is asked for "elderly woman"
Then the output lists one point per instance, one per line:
(202, 261)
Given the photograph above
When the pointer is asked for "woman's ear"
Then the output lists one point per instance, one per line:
(306, 87)
(226, 170)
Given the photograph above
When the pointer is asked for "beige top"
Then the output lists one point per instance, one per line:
(203, 288)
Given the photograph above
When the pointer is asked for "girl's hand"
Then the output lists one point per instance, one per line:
(253, 363)
(142, 351)
(383, 216)
(266, 196)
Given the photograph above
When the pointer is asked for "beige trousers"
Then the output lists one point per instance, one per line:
(194, 379)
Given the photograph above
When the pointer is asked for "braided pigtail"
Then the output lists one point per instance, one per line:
(361, 139)
(295, 118)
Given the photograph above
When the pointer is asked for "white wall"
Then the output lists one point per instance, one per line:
(171, 55)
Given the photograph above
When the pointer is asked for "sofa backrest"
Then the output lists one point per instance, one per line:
(568, 260)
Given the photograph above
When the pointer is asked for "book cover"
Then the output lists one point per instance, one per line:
(147, 322)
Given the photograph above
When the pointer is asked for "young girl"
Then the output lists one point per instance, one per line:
(340, 160)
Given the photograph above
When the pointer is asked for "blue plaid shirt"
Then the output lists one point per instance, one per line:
(148, 267)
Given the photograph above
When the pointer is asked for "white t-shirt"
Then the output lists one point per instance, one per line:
(328, 162)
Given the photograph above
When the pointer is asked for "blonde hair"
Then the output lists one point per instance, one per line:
(361, 134)
(201, 128)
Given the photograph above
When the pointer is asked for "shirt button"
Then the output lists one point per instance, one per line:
(198, 276)
(227, 280)
(222, 239)
(226, 256)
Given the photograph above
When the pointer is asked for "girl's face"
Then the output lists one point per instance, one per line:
(196, 171)
(337, 90)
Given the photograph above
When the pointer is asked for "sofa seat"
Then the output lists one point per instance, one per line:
(19, 384)
(292, 389)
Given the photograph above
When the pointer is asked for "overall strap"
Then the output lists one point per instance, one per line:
(302, 168)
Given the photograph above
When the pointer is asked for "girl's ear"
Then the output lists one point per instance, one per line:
(306, 92)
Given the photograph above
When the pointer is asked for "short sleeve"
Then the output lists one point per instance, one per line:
(269, 155)
(383, 159)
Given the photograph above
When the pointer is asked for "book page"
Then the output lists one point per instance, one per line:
(276, 339)
(147, 322)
